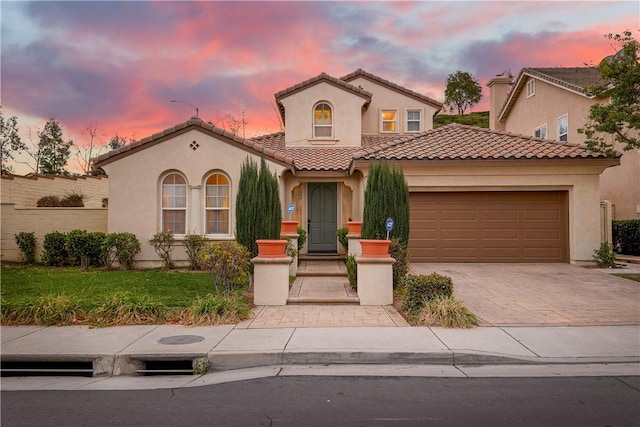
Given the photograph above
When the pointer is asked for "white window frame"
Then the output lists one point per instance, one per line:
(407, 121)
(566, 132)
(382, 121)
(164, 208)
(531, 88)
(323, 126)
(540, 128)
(216, 208)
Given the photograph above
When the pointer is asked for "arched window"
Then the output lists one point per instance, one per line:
(216, 204)
(322, 121)
(174, 204)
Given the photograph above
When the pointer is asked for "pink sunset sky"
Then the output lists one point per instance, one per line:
(116, 66)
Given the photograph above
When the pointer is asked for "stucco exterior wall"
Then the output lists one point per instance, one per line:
(347, 115)
(385, 98)
(42, 221)
(134, 185)
(621, 186)
(580, 182)
(24, 191)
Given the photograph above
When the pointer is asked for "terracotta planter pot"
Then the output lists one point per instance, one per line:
(289, 227)
(355, 227)
(375, 248)
(272, 248)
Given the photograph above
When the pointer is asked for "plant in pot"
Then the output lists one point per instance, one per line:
(258, 211)
(386, 195)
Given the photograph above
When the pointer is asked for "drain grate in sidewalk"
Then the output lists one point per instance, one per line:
(47, 369)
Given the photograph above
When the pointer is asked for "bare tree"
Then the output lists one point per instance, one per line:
(90, 150)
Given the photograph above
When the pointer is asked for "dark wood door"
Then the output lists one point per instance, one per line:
(323, 215)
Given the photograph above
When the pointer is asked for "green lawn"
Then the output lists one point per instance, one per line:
(171, 289)
(630, 276)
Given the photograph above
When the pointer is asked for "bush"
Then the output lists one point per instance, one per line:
(228, 264)
(163, 245)
(352, 271)
(604, 257)
(302, 239)
(27, 244)
(48, 202)
(193, 244)
(54, 249)
(626, 232)
(422, 288)
(79, 246)
(108, 249)
(342, 237)
(446, 311)
(73, 200)
(127, 246)
(97, 254)
(398, 250)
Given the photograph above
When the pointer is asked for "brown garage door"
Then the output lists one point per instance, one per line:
(489, 227)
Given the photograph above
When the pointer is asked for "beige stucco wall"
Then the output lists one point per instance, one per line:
(42, 221)
(25, 191)
(347, 115)
(134, 185)
(385, 98)
(581, 182)
(619, 184)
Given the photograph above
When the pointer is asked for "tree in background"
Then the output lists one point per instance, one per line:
(11, 142)
(462, 92)
(619, 120)
(53, 151)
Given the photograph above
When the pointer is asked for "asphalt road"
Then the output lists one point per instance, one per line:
(342, 401)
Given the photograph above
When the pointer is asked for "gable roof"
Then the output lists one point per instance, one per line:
(194, 123)
(379, 80)
(462, 142)
(576, 80)
(320, 78)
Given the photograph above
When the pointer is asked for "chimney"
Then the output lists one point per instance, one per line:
(499, 87)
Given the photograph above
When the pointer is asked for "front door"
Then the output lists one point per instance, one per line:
(323, 213)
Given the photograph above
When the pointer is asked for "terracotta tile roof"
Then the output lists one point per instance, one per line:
(193, 123)
(372, 77)
(461, 142)
(314, 158)
(577, 80)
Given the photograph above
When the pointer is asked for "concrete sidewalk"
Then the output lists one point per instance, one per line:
(122, 350)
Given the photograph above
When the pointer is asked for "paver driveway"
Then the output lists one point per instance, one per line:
(541, 294)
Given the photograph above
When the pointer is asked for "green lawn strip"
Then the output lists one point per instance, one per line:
(630, 276)
(170, 289)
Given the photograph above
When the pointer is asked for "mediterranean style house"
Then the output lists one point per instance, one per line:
(476, 195)
(553, 103)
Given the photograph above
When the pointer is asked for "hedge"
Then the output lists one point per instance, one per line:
(627, 233)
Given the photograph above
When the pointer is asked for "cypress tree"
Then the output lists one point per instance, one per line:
(258, 210)
(386, 195)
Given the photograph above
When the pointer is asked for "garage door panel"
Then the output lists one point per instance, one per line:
(489, 226)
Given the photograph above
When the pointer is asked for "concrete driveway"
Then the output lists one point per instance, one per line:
(541, 294)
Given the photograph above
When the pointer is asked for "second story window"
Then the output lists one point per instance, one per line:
(414, 121)
(322, 121)
(563, 128)
(531, 88)
(540, 132)
(389, 121)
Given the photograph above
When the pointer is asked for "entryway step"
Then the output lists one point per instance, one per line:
(324, 300)
(321, 257)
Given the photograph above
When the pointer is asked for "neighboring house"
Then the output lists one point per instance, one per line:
(476, 195)
(552, 104)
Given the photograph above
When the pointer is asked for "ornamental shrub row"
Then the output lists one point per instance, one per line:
(626, 233)
(71, 200)
(90, 248)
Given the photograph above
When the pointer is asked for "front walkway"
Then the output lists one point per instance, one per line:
(322, 281)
